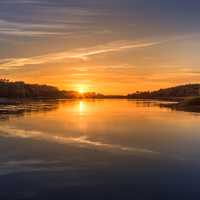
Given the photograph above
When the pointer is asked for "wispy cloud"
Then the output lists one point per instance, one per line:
(49, 19)
(9, 28)
(22, 25)
(83, 53)
(18, 2)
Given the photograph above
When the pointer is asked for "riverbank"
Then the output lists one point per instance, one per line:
(190, 104)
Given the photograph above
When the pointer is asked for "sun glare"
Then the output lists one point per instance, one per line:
(81, 106)
(81, 90)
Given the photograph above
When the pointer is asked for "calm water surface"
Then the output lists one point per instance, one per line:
(98, 149)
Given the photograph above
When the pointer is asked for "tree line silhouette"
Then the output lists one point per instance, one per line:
(20, 89)
(188, 90)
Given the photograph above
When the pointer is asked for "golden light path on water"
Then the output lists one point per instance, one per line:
(81, 107)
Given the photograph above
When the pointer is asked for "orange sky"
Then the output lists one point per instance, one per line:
(107, 47)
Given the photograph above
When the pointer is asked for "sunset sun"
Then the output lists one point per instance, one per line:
(81, 90)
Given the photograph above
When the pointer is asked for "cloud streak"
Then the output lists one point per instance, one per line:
(8, 28)
(83, 54)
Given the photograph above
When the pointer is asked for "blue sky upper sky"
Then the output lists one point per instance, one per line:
(110, 46)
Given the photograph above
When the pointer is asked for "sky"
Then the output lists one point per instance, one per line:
(106, 46)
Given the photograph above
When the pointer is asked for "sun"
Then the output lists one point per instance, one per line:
(81, 90)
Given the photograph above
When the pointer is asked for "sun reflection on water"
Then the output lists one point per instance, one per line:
(81, 107)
